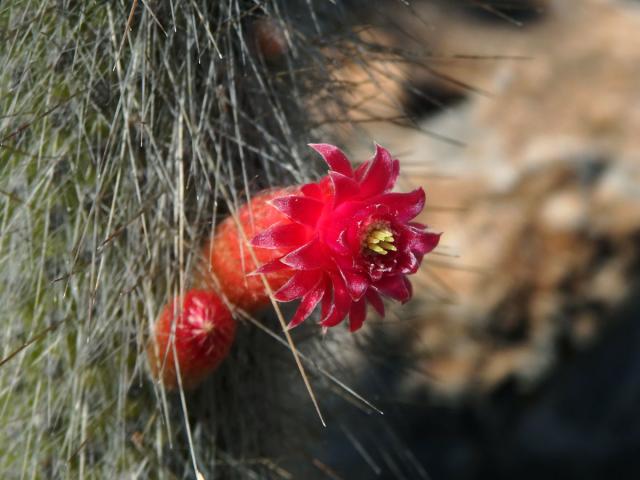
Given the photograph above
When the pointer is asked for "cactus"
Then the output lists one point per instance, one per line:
(127, 130)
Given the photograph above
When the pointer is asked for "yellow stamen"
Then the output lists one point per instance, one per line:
(378, 234)
(381, 241)
(388, 246)
(378, 249)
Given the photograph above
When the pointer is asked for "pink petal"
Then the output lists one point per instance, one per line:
(297, 286)
(360, 171)
(410, 263)
(395, 171)
(334, 157)
(280, 236)
(423, 242)
(409, 286)
(269, 267)
(308, 304)
(394, 175)
(327, 299)
(397, 287)
(357, 315)
(379, 175)
(341, 303)
(343, 187)
(335, 316)
(356, 284)
(337, 242)
(375, 301)
(304, 210)
(310, 256)
(405, 205)
(312, 190)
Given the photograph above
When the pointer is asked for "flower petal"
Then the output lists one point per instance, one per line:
(343, 187)
(280, 236)
(269, 267)
(380, 174)
(408, 286)
(409, 263)
(308, 304)
(359, 172)
(339, 245)
(327, 300)
(406, 206)
(334, 157)
(423, 242)
(312, 190)
(336, 315)
(297, 286)
(341, 303)
(310, 256)
(357, 315)
(356, 284)
(376, 302)
(304, 210)
(395, 172)
(396, 287)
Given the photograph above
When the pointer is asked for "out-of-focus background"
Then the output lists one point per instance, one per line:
(129, 129)
(522, 359)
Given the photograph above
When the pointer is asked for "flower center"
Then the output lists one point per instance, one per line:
(380, 240)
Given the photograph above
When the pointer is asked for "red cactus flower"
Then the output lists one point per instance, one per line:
(348, 240)
(204, 331)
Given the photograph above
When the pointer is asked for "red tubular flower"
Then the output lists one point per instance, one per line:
(348, 240)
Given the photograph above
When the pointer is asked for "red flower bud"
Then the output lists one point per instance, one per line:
(203, 333)
(230, 259)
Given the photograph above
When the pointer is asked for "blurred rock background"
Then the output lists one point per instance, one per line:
(521, 121)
